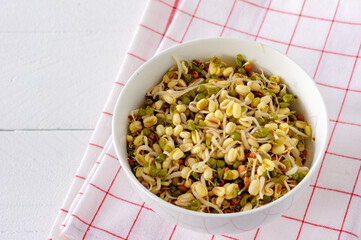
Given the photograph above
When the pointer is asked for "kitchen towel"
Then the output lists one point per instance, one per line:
(323, 36)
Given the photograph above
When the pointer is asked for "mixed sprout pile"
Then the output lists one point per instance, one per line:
(218, 139)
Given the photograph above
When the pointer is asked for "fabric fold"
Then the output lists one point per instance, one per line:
(101, 204)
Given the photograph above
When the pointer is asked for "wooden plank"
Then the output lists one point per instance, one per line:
(37, 168)
(59, 59)
(58, 66)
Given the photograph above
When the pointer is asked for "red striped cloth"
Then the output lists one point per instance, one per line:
(323, 36)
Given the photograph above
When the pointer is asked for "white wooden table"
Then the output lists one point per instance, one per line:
(58, 61)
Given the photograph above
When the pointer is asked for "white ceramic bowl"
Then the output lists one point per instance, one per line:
(299, 83)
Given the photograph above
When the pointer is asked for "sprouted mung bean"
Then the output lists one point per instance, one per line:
(218, 139)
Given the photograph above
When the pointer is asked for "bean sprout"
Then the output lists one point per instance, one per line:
(212, 137)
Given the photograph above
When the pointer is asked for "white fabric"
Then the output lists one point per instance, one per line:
(322, 36)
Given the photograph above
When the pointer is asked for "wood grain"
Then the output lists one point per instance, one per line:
(58, 61)
(37, 168)
(58, 65)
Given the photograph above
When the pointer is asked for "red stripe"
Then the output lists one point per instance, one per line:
(173, 232)
(133, 55)
(294, 31)
(341, 54)
(264, 17)
(256, 234)
(170, 19)
(340, 155)
(63, 210)
(254, 4)
(190, 22)
(348, 123)
(328, 35)
(101, 204)
(229, 15)
(119, 198)
(151, 29)
(135, 220)
(341, 88)
(111, 156)
(212, 237)
(119, 83)
(176, 8)
(335, 190)
(299, 46)
(355, 90)
(344, 98)
(209, 21)
(95, 145)
(349, 202)
(106, 231)
(272, 40)
(155, 31)
(77, 176)
(107, 113)
(348, 84)
(351, 23)
(319, 225)
(229, 237)
(330, 86)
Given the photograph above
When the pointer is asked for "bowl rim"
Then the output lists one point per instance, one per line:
(315, 163)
